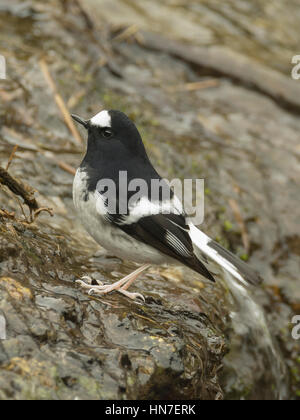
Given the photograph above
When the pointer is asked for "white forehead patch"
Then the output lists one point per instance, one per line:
(102, 119)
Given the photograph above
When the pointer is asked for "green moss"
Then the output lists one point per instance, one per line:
(228, 226)
(77, 68)
(90, 385)
(31, 253)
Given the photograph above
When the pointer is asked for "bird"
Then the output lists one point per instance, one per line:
(144, 230)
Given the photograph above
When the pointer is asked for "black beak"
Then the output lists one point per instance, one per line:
(85, 123)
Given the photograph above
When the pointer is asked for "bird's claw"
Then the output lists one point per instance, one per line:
(132, 296)
(102, 289)
(83, 284)
(95, 291)
(88, 282)
(87, 279)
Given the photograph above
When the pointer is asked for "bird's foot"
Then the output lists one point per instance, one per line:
(120, 286)
(103, 290)
(86, 282)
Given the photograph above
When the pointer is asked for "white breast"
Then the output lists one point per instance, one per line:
(112, 238)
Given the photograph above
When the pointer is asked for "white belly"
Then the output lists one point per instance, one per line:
(108, 236)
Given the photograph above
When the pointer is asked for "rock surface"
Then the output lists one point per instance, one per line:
(243, 140)
(62, 344)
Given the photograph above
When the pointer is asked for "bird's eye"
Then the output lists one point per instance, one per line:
(107, 132)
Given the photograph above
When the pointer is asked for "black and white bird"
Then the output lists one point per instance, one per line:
(145, 232)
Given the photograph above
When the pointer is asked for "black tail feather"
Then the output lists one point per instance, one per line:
(248, 273)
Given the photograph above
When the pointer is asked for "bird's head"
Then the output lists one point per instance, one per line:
(110, 128)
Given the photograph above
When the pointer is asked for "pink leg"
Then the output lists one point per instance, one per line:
(120, 286)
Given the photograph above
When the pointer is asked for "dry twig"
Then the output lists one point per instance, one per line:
(66, 167)
(126, 33)
(60, 102)
(11, 157)
(18, 189)
(39, 211)
(25, 192)
(189, 87)
(7, 214)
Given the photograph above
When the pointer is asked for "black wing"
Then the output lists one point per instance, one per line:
(168, 233)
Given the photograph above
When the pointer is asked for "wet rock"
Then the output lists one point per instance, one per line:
(63, 344)
(244, 143)
(221, 61)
